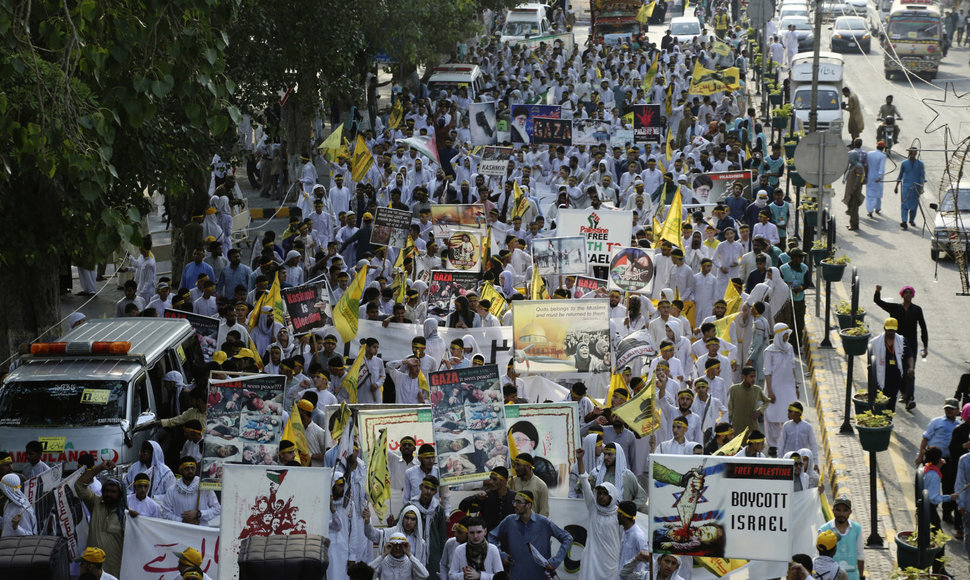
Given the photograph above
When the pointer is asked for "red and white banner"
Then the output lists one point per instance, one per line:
(151, 543)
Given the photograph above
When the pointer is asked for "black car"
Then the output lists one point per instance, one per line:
(851, 33)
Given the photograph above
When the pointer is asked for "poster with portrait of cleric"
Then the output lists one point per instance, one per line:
(482, 123)
(565, 336)
(724, 507)
(631, 270)
(713, 188)
(270, 501)
(445, 286)
(243, 424)
(549, 432)
(469, 423)
(522, 115)
(559, 256)
(390, 227)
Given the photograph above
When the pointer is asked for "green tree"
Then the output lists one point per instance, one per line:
(101, 104)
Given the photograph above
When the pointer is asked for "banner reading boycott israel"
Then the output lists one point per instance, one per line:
(722, 507)
(561, 335)
(603, 229)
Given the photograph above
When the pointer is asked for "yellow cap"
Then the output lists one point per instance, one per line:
(305, 405)
(891, 324)
(367, 216)
(189, 556)
(93, 555)
(827, 540)
(219, 356)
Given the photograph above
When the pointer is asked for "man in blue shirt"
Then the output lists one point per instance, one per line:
(233, 275)
(190, 275)
(849, 552)
(795, 274)
(912, 175)
(518, 533)
(940, 430)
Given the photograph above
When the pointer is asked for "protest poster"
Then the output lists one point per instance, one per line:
(552, 131)
(40, 491)
(713, 188)
(558, 256)
(588, 284)
(708, 82)
(151, 543)
(483, 123)
(647, 124)
(399, 422)
(242, 424)
(391, 227)
(722, 507)
(550, 433)
(561, 335)
(591, 131)
(603, 229)
(633, 346)
(464, 250)
(445, 286)
(522, 116)
(469, 423)
(622, 138)
(445, 217)
(270, 501)
(631, 270)
(206, 329)
(494, 162)
(72, 523)
(308, 306)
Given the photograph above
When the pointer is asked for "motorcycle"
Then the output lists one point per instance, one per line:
(888, 132)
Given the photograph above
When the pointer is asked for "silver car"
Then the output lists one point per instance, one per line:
(951, 227)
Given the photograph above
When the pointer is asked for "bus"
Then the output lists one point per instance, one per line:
(913, 38)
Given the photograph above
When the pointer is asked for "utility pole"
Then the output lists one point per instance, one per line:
(817, 48)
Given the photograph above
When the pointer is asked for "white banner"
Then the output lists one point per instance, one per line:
(151, 543)
(270, 501)
(722, 507)
(71, 521)
(495, 342)
(604, 230)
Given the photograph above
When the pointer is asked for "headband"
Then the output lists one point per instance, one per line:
(187, 463)
(686, 392)
(681, 420)
(794, 408)
(426, 454)
(459, 528)
(623, 513)
(523, 497)
(186, 429)
(287, 447)
(6, 460)
(499, 475)
(430, 484)
(756, 440)
(665, 348)
(407, 438)
(523, 461)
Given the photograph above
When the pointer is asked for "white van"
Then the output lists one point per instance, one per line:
(829, 108)
(526, 20)
(456, 76)
(88, 392)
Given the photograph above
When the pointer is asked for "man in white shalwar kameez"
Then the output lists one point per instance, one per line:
(601, 555)
(139, 501)
(151, 461)
(780, 383)
(397, 562)
(185, 502)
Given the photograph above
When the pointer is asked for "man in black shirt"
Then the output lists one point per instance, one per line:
(909, 316)
(495, 502)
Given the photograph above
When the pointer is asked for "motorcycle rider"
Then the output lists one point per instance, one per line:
(888, 124)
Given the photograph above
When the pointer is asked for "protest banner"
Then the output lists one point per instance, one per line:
(561, 335)
(206, 329)
(242, 425)
(469, 423)
(399, 422)
(604, 230)
(591, 131)
(483, 123)
(151, 543)
(445, 286)
(631, 270)
(390, 227)
(308, 306)
(647, 124)
(587, 284)
(445, 217)
(713, 188)
(251, 500)
(722, 507)
(522, 126)
(622, 138)
(635, 345)
(72, 523)
(464, 250)
(494, 162)
(40, 491)
(552, 131)
(550, 433)
(558, 256)
(708, 82)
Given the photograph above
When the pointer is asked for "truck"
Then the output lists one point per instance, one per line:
(830, 70)
(614, 22)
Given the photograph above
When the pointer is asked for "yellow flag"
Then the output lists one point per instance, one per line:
(293, 431)
(641, 413)
(708, 82)
(362, 159)
(331, 145)
(498, 303)
(487, 248)
(401, 285)
(520, 202)
(346, 311)
(513, 448)
(671, 230)
(616, 382)
(686, 5)
(397, 115)
(732, 446)
(723, 326)
(599, 73)
(274, 299)
(344, 415)
(408, 251)
(353, 376)
(650, 7)
(628, 118)
(642, 15)
(732, 298)
(670, 98)
(537, 291)
(721, 566)
(378, 477)
(670, 146)
(651, 74)
(423, 384)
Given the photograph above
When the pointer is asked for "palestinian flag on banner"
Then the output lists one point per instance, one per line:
(424, 145)
(276, 475)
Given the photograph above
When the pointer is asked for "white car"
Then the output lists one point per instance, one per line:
(685, 28)
(793, 10)
(951, 226)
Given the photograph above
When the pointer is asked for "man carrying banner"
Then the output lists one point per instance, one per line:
(186, 501)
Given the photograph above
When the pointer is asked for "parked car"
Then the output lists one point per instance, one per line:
(803, 27)
(685, 28)
(951, 226)
(850, 33)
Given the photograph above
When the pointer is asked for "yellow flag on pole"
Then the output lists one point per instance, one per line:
(378, 477)
(537, 290)
(273, 299)
(671, 230)
(498, 302)
(732, 446)
(397, 115)
(521, 203)
(733, 299)
(293, 431)
(513, 448)
(424, 386)
(362, 159)
(346, 311)
(648, 78)
(332, 144)
(641, 413)
(353, 376)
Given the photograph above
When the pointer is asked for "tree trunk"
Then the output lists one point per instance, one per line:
(297, 116)
(31, 303)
